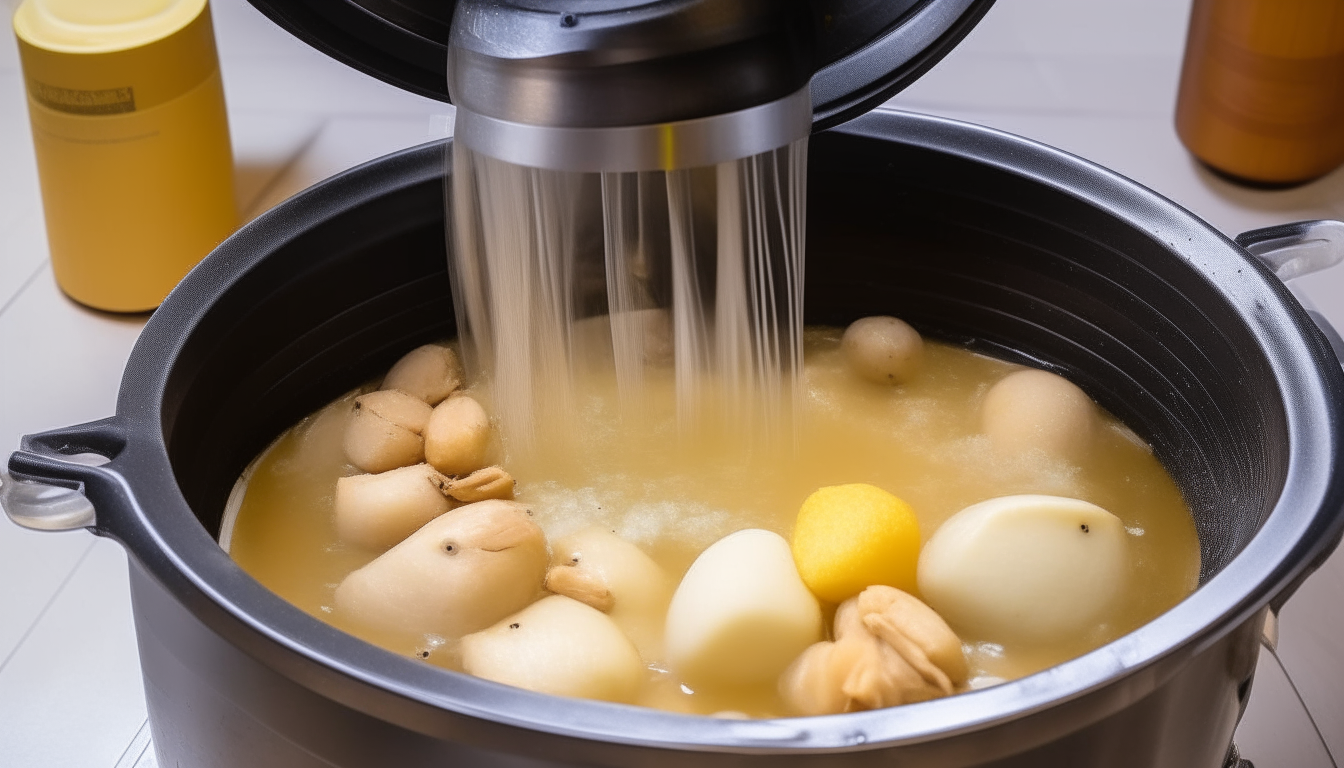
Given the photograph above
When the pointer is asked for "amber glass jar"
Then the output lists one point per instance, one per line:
(1262, 88)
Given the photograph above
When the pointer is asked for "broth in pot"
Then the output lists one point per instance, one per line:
(926, 520)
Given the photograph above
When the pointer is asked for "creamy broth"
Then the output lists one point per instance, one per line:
(673, 494)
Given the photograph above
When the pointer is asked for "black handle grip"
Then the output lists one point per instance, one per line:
(62, 459)
(103, 437)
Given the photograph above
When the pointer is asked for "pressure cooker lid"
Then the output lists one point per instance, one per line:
(866, 50)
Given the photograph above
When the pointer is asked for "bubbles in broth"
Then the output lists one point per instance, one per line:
(672, 493)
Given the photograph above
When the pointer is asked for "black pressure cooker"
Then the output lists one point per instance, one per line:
(976, 237)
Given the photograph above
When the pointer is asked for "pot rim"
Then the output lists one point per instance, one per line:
(1301, 530)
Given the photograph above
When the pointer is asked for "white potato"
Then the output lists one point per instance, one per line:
(1025, 569)
(384, 431)
(430, 373)
(597, 567)
(457, 437)
(559, 646)
(461, 572)
(883, 350)
(377, 511)
(741, 613)
(1038, 410)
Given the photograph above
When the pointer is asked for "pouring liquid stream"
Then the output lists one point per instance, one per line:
(687, 285)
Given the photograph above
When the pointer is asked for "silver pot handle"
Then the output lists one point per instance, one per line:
(1293, 250)
(53, 481)
(1298, 249)
(42, 507)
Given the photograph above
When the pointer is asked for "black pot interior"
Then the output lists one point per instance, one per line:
(966, 251)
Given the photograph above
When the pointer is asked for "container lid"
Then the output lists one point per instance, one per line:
(867, 50)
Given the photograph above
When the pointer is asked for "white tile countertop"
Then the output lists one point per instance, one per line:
(1094, 77)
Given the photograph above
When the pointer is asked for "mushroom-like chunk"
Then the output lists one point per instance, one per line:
(586, 585)
(1038, 410)
(889, 649)
(460, 573)
(384, 431)
(488, 483)
(599, 568)
(1027, 569)
(377, 511)
(741, 613)
(558, 646)
(457, 438)
(883, 350)
(430, 373)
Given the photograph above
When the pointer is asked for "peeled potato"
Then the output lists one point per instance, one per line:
(430, 373)
(558, 646)
(599, 568)
(384, 431)
(1025, 569)
(1038, 410)
(377, 511)
(741, 613)
(883, 350)
(461, 572)
(457, 437)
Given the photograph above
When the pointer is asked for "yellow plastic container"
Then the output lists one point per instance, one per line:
(127, 111)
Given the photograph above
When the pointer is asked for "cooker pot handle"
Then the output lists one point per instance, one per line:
(1291, 251)
(1297, 249)
(1301, 248)
(57, 480)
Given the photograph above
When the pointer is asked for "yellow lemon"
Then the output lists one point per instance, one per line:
(850, 537)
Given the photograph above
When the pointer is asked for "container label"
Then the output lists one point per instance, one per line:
(108, 101)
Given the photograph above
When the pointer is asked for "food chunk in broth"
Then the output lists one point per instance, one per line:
(607, 521)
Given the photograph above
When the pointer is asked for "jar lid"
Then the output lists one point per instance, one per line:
(865, 50)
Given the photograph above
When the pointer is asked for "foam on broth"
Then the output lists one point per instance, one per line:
(674, 493)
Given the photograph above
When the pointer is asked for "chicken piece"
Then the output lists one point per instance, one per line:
(917, 632)
(384, 432)
(430, 373)
(890, 649)
(460, 573)
(599, 568)
(558, 646)
(377, 511)
(487, 483)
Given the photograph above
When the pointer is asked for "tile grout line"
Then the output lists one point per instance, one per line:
(135, 750)
(15, 296)
(1273, 652)
(50, 602)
